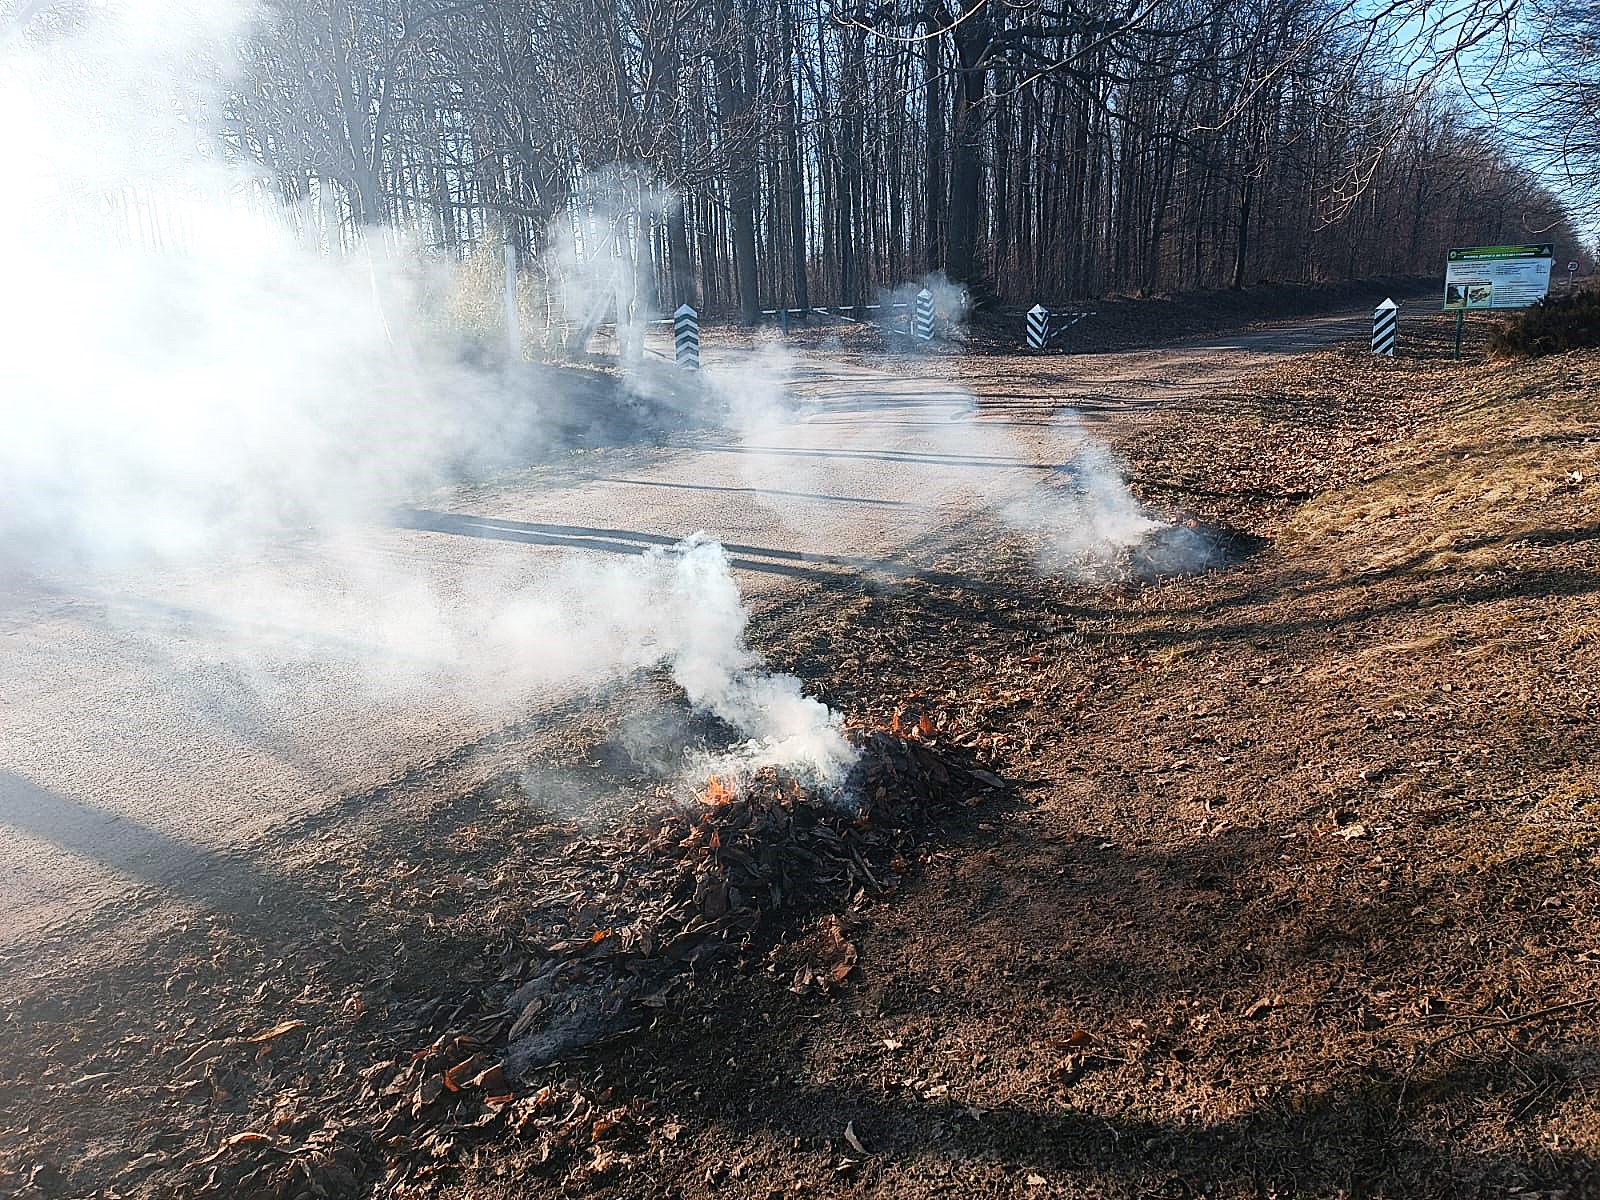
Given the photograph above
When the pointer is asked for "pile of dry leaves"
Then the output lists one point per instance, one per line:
(652, 909)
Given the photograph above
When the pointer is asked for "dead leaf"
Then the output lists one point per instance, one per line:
(278, 1030)
(456, 1077)
(247, 1138)
(429, 1090)
(209, 1052)
(493, 1081)
(839, 954)
(529, 1014)
(1071, 1067)
(855, 1142)
(1036, 1181)
(1265, 1004)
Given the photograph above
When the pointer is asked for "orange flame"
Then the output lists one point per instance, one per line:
(716, 793)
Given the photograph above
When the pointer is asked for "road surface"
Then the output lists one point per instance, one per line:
(156, 728)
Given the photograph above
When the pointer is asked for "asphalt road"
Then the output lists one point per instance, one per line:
(158, 726)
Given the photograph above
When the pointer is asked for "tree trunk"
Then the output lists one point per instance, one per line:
(937, 197)
(739, 149)
(793, 168)
(1241, 247)
(966, 150)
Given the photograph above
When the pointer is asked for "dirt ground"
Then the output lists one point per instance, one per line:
(1271, 880)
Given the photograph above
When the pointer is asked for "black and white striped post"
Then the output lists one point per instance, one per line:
(922, 321)
(1385, 328)
(686, 333)
(1038, 326)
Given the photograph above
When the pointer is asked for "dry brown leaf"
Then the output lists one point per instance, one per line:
(278, 1030)
(457, 1076)
(493, 1081)
(248, 1138)
(209, 1052)
(1265, 1004)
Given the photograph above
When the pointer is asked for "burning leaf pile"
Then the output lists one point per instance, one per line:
(643, 911)
(694, 883)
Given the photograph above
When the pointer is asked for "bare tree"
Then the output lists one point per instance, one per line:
(824, 149)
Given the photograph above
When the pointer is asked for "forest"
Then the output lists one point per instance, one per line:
(747, 154)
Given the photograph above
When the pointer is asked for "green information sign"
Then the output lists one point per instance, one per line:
(1497, 276)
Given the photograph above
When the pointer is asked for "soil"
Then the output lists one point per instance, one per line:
(1274, 878)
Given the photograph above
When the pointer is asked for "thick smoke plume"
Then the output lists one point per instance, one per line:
(192, 379)
(718, 672)
(181, 369)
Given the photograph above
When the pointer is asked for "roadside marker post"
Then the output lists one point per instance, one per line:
(1385, 328)
(922, 320)
(686, 335)
(1038, 326)
(1046, 327)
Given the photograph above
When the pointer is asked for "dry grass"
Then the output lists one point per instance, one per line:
(1478, 478)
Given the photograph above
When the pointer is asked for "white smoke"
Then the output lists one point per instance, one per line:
(678, 607)
(717, 671)
(897, 452)
(187, 380)
(181, 371)
(952, 303)
(599, 258)
(188, 383)
(1088, 525)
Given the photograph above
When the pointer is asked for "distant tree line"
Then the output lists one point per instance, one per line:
(802, 152)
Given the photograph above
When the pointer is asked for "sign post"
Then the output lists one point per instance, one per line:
(1495, 277)
(1572, 274)
(1047, 326)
